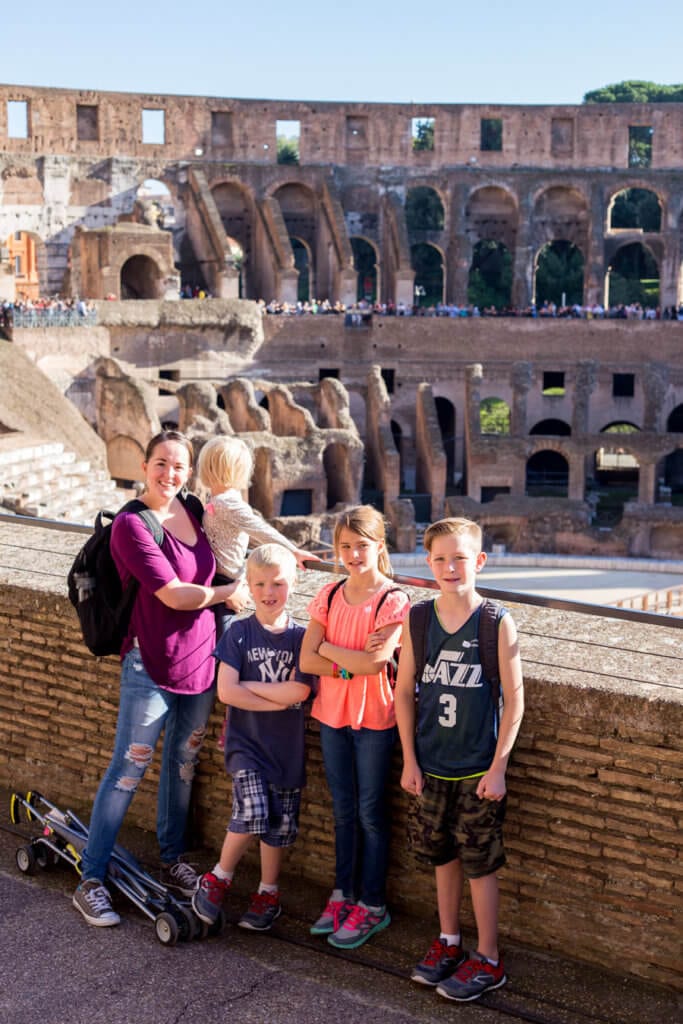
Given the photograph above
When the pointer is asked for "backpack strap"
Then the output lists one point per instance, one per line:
(192, 504)
(490, 614)
(418, 621)
(385, 595)
(333, 590)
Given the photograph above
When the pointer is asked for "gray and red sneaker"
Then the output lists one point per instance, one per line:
(474, 977)
(439, 962)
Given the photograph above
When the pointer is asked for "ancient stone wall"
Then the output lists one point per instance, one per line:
(594, 819)
(547, 174)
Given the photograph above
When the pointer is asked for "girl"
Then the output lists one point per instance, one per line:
(353, 631)
(167, 673)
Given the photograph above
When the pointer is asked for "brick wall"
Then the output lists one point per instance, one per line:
(594, 825)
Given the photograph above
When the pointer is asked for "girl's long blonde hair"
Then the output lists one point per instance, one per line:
(367, 522)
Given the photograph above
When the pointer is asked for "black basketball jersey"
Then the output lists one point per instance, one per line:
(457, 723)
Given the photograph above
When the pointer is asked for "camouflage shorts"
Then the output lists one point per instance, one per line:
(450, 822)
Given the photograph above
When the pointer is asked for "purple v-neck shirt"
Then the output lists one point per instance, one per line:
(176, 646)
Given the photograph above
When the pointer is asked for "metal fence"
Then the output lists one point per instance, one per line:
(652, 618)
(52, 317)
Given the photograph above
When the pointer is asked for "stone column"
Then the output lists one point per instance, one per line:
(647, 482)
(576, 490)
(584, 384)
(523, 257)
(655, 386)
(520, 379)
(594, 265)
(669, 267)
(459, 250)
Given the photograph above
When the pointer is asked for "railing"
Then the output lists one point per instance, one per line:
(652, 618)
(52, 317)
(669, 601)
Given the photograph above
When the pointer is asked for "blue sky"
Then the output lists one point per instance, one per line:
(444, 51)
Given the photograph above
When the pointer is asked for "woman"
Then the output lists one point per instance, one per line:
(167, 676)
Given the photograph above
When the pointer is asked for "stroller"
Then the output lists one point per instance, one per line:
(63, 837)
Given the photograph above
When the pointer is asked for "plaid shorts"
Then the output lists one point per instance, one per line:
(263, 810)
(450, 822)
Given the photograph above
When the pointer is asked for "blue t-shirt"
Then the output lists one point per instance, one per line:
(271, 742)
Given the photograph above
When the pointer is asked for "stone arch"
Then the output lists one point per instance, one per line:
(616, 474)
(674, 422)
(632, 275)
(560, 212)
(559, 273)
(155, 204)
(491, 214)
(125, 456)
(489, 282)
(551, 428)
(261, 486)
(547, 473)
(27, 255)
(366, 264)
(447, 417)
(620, 427)
(141, 277)
(235, 204)
(425, 210)
(299, 206)
(338, 474)
(304, 265)
(427, 260)
(635, 208)
(670, 468)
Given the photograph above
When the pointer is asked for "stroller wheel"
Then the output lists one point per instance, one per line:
(217, 927)
(45, 857)
(26, 860)
(167, 928)
(188, 924)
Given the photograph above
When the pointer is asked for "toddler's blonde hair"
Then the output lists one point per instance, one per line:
(225, 462)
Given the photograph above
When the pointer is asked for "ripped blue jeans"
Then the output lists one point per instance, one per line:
(144, 710)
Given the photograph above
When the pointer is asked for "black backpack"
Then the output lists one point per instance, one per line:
(490, 613)
(102, 604)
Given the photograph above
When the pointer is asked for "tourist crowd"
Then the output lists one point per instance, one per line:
(548, 310)
(46, 312)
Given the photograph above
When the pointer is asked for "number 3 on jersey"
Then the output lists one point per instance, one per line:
(448, 704)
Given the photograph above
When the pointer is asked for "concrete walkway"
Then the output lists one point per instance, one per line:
(55, 969)
(571, 579)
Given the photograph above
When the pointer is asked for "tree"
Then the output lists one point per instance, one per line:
(287, 150)
(423, 137)
(494, 416)
(635, 91)
(636, 208)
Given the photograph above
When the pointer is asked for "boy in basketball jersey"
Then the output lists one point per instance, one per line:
(456, 745)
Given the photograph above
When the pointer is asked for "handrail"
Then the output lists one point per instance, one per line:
(536, 600)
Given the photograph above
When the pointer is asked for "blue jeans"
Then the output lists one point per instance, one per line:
(144, 710)
(357, 763)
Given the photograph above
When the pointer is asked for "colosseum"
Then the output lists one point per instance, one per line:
(133, 201)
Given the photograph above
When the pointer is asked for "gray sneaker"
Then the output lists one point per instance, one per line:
(264, 909)
(180, 877)
(94, 902)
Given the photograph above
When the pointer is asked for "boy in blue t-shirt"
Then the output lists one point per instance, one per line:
(456, 745)
(259, 680)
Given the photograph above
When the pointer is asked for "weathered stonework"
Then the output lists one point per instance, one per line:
(554, 176)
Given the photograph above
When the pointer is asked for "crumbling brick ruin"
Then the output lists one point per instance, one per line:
(586, 399)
